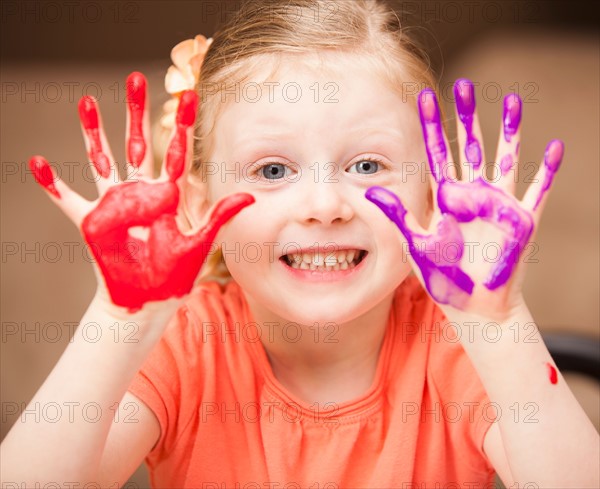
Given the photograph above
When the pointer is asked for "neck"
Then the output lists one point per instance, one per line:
(323, 362)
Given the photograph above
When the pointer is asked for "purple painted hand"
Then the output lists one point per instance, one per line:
(438, 251)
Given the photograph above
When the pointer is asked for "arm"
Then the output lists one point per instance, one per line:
(545, 434)
(87, 372)
(141, 282)
(542, 435)
(128, 443)
(547, 437)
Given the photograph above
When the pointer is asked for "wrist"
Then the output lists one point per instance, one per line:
(153, 315)
(512, 311)
(491, 339)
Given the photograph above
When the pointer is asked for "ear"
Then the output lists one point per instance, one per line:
(195, 199)
(430, 208)
(430, 200)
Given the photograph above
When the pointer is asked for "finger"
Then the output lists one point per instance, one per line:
(468, 131)
(70, 202)
(436, 255)
(138, 137)
(436, 144)
(535, 196)
(179, 151)
(446, 231)
(393, 208)
(101, 158)
(221, 212)
(507, 155)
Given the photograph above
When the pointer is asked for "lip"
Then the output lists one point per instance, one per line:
(322, 249)
(318, 276)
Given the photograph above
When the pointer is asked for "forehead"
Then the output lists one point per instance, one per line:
(318, 94)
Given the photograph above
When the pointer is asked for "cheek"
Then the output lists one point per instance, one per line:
(415, 193)
(393, 264)
(246, 238)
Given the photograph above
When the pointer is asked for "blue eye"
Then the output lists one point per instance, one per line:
(367, 166)
(273, 171)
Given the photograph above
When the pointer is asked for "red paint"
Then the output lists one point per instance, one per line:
(136, 101)
(43, 174)
(186, 115)
(186, 112)
(88, 114)
(552, 374)
(167, 263)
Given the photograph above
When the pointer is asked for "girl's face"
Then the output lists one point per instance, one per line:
(304, 146)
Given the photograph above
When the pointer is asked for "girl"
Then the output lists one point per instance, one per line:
(321, 363)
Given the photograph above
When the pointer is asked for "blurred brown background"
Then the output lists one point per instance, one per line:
(52, 53)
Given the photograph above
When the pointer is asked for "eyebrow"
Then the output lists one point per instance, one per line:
(278, 135)
(250, 148)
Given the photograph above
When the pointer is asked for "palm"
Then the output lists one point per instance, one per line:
(165, 264)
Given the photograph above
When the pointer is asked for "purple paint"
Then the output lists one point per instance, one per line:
(511, 116)
(552, 159)
(467, 201)
(506, 164)
(464, 94)
(461, 202)
(432, 133)
(445, 281)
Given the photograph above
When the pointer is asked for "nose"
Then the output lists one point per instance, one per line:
(324, 202)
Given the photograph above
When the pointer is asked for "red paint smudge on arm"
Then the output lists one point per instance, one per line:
(136, 100)
(88, 114)
(552, 373)
(43, 174)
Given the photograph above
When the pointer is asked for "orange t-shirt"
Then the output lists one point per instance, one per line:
(226, 422)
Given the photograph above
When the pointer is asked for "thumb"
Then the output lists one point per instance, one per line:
(393, 208)
(221, 212)
(69, 201)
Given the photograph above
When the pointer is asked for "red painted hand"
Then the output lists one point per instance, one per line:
(164, 262)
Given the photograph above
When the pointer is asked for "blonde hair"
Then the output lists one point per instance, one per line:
(275, 29)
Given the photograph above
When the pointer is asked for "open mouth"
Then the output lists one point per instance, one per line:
(330, 261)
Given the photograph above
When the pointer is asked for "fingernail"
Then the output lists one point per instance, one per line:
(136, 90)
(464, 94)
(88, 112)
(43, 174)
(188, 104)
(428, 107)
(554, 154)
(512, 115)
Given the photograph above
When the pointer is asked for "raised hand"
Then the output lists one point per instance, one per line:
(158, 261)
(438, 252)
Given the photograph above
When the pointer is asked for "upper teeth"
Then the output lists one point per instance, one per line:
(329, 258)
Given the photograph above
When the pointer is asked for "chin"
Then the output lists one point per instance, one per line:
(323, 309)
(317, 316)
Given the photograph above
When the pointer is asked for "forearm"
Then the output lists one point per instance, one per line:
(547, 436)
(85, 387)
